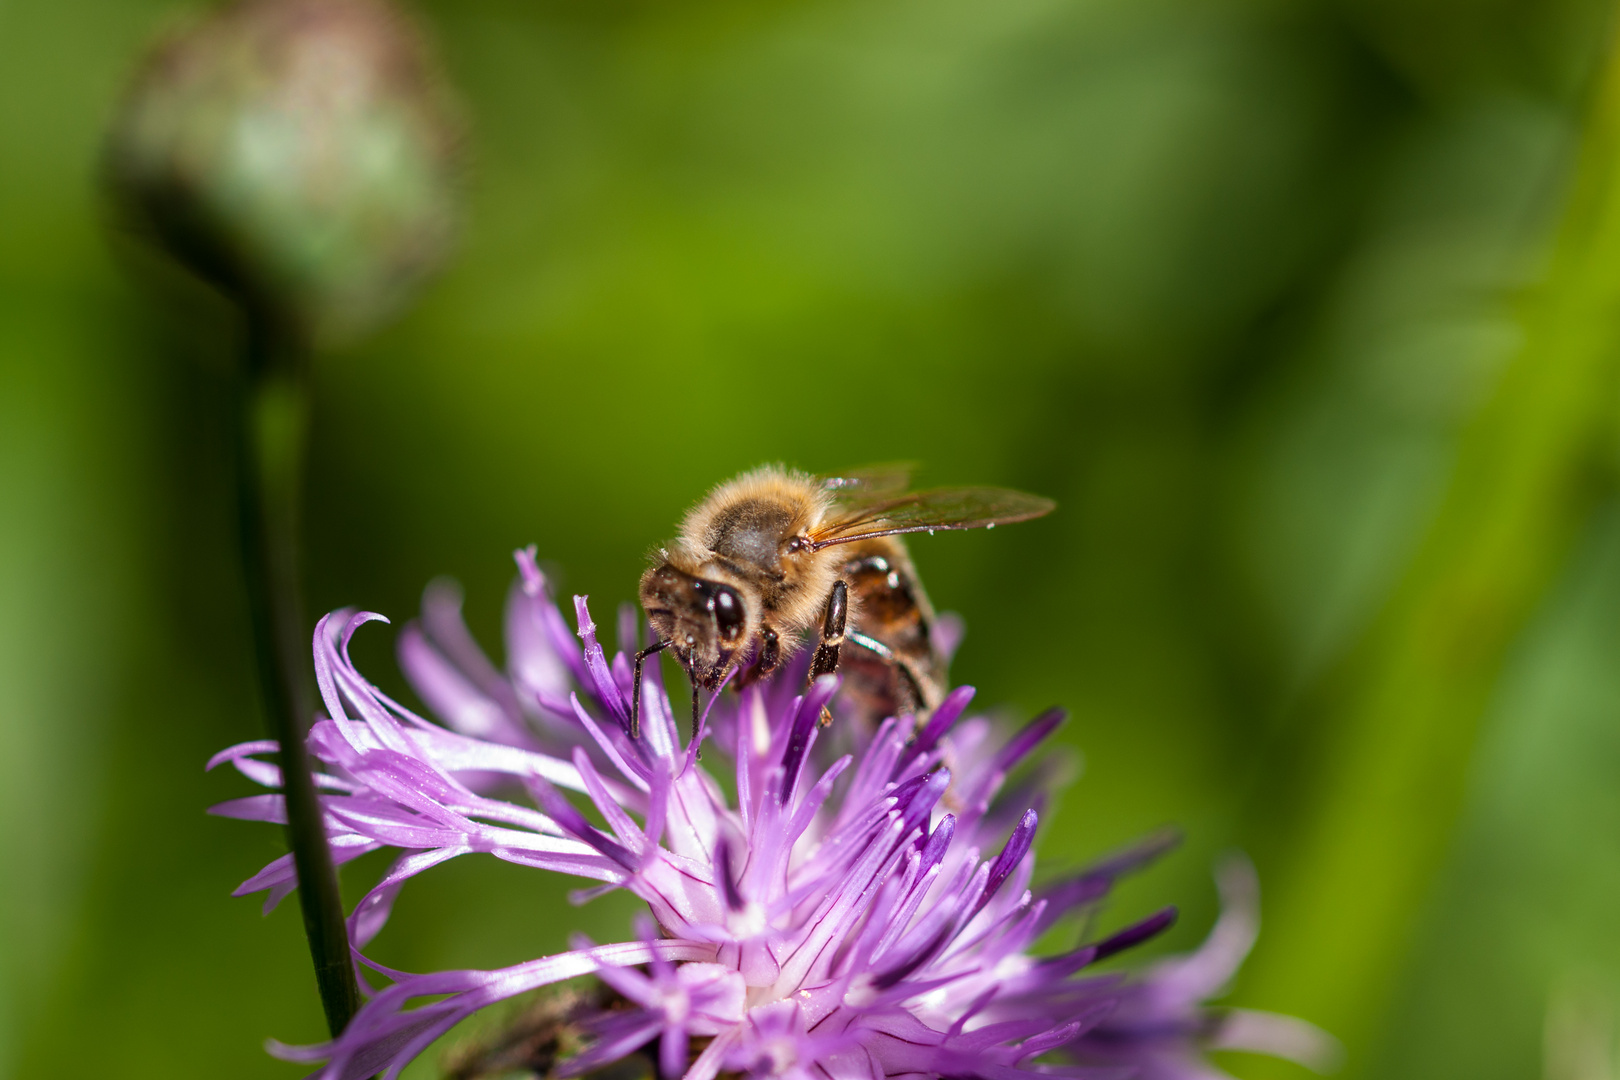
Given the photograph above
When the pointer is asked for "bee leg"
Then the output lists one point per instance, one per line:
(765, 659)
(635, 686)
(910, 683)
(697, 720)
(770, 652)
(825, 662)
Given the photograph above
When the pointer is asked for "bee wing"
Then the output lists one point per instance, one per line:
(862, 486)
(942, 508)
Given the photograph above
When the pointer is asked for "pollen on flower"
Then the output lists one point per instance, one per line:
(867, 913)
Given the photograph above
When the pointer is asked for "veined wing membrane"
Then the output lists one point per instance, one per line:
(925, 511)
(860, 487)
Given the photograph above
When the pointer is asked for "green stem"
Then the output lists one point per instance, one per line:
(1387, 779)
(273, 427)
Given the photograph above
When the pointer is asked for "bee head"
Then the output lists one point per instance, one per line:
(705, 620)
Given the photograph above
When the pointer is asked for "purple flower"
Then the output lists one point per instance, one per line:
(866, 915)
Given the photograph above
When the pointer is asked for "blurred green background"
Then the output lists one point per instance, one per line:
(1306, 313)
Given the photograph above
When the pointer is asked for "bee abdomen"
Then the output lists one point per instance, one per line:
(896, 669)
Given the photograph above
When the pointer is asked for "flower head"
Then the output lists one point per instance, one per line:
(867, 915)
(300, 154)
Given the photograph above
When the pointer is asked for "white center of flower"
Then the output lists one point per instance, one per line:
(781, 1053)
(676, 1004)
(749, 922)
(861, 992)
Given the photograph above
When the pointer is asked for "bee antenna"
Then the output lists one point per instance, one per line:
(635, 686)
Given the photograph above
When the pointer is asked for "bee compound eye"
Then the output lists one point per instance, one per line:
(729, 617)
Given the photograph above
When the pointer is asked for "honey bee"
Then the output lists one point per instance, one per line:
(775, 555)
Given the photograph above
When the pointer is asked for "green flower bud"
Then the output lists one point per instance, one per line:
(300, 154)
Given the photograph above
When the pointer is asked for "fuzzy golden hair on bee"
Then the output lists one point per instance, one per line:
(776, 556)
(773, 497)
